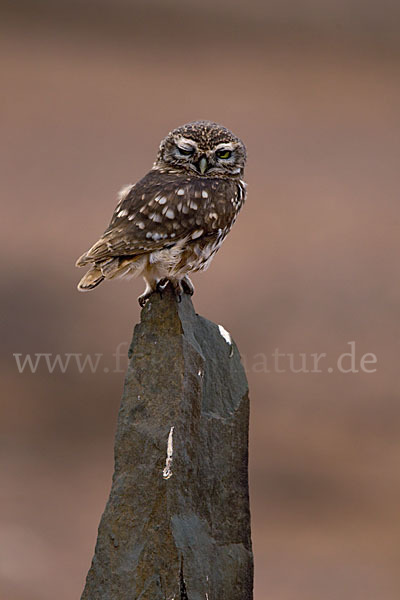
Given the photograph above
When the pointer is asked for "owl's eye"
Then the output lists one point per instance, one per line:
(223, 154)
(185, 151)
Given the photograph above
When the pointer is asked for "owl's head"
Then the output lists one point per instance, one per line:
(202, 148)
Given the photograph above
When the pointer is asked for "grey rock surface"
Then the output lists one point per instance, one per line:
(177, 522)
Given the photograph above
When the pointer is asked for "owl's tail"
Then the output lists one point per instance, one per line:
(111, 268)
(91, 279)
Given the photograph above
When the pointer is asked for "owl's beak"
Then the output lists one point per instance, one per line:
(203, 165)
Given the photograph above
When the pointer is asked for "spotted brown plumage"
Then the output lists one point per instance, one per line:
(174, 220)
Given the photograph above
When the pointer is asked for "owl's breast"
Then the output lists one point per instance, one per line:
(196, 255)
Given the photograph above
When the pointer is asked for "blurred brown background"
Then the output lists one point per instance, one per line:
(88, 90)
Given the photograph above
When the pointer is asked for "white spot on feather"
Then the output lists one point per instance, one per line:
(204, 193)
(170, 214)
(122, 213)
(193, 205)
(196, 234)
(181, 192)
(155, 217)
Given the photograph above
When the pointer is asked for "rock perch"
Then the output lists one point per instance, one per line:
(177, 522)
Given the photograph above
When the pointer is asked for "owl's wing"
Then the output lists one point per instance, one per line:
(163, 208)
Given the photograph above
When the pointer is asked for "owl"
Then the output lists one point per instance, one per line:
(173, 221)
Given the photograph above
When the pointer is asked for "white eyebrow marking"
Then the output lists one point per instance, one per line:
(225, 146)
(186, 143)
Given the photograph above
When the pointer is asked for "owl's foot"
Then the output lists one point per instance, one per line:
(187, 286)
(178, 286)
(181, 286)
(178, 289)
(142, 299)
(146, 294)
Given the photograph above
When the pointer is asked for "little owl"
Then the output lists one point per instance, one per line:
(174, 220)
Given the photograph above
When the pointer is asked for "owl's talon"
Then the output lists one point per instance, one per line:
(161, 286)
(146, 294)
(143, 299)
(187, 286)
(178, 290)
